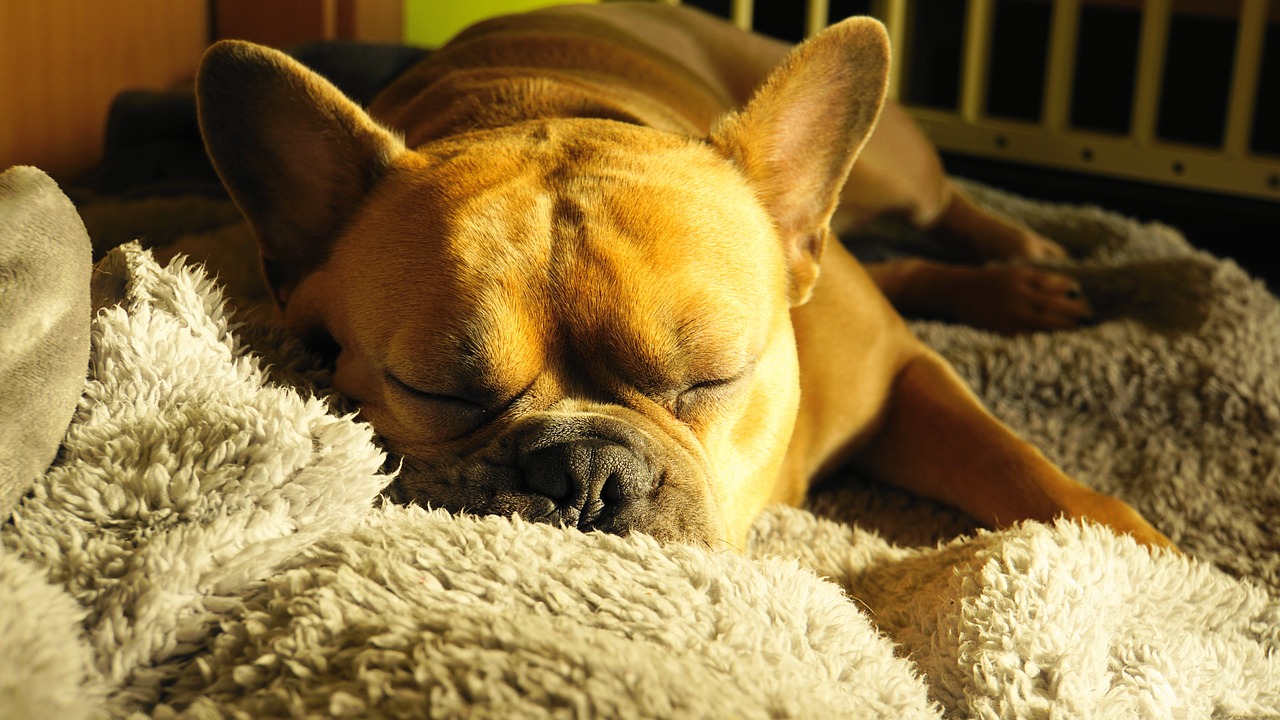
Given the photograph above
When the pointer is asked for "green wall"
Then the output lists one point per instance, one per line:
(430, 22)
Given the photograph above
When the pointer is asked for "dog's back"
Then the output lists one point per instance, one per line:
(664, 67)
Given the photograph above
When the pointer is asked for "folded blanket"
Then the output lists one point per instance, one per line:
(211, 542)
(44, 324)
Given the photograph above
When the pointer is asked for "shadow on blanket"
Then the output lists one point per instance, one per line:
(210, 540)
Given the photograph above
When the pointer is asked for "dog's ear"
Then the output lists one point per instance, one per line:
(296, 155)
(797, 138)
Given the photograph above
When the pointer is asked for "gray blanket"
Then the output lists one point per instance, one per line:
(44, 325)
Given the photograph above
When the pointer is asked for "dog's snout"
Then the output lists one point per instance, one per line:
(587, 479)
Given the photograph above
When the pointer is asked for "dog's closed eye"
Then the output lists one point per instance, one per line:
(703, 398)
(446, 415)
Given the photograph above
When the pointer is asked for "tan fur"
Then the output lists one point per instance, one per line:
(589, 276)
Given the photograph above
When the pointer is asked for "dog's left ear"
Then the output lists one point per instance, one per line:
(296, 155)
(798, 136)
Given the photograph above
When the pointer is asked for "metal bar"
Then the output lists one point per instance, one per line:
(329, 19)
(1062, 61)
(743, 11)
(816, 16)
(1146, 98)
(893, 13)
(1244, 77)
(1165, 164)
(977, 54)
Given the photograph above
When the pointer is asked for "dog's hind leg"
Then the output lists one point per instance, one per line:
(937, 440)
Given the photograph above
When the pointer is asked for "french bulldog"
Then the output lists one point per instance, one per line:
(579, 266)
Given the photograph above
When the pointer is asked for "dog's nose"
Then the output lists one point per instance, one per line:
(587, 479)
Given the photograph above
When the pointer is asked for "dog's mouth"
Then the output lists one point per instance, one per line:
(588, 472)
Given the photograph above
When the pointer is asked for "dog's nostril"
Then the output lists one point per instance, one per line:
(611, 491)
(549, 476)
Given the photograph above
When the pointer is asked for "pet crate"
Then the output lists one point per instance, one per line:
(1182, 93)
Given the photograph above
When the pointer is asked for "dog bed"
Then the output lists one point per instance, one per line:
(212, 539)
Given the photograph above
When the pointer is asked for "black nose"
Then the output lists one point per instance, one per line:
(588, 479)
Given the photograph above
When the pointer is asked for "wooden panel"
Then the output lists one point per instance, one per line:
(64, 60)
(278, 23)
(371, 20)
(281, 23)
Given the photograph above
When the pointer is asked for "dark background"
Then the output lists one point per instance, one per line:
(1192, 107)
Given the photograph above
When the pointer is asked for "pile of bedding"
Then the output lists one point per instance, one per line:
(211, 540)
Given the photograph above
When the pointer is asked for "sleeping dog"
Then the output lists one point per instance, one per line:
(578, 265)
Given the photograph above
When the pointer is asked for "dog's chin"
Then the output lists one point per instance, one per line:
(676, 511)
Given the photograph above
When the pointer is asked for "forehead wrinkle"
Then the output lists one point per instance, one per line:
(493, 347)
(503, 337)
(496, 233)
(716, 347)
(597, 301)
(660, 313)
(600, 270)
(486, 310)
(648, 335)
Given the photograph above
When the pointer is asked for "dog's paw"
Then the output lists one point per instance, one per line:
(1121, 517)
(1023, 244)
(1006, 298)
(990, 236)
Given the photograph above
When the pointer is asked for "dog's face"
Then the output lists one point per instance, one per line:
(580, 321)
(532, 340)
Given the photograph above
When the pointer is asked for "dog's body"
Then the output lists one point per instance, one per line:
(585, 287)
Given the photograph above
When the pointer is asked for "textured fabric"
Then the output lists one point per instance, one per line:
(44, 324)
(211, 543)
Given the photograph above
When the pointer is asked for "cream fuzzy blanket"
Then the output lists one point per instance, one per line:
(211, 542)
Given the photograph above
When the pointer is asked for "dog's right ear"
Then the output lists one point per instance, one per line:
(798, 136)
(296, 155)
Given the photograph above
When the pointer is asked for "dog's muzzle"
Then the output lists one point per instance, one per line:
(588, 470)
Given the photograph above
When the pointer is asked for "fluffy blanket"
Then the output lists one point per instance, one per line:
(211, 541)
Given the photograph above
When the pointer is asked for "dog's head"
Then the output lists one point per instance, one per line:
(577, 320)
